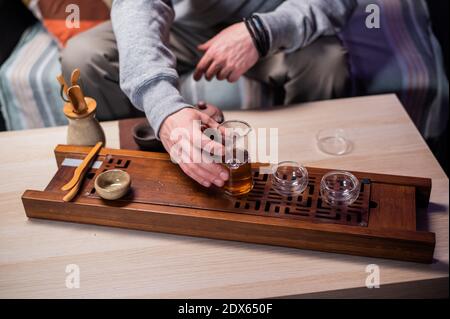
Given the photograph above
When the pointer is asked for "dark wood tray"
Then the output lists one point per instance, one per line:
(381, 223)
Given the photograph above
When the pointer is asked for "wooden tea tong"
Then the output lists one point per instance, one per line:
(74, 184)
(73, 94)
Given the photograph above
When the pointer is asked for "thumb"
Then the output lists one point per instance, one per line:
(206, 119)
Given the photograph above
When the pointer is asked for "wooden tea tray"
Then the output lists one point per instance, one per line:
(381, 223)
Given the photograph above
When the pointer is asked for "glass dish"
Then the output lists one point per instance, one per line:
(334, 141)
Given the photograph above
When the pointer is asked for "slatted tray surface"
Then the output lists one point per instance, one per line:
(156, 187)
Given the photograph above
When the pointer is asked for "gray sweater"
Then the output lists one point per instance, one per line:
(147, 67)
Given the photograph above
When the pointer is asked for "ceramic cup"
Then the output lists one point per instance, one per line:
(145, 138)
(112, 184)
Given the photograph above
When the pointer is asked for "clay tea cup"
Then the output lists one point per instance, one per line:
(145, 138)
(112, 184)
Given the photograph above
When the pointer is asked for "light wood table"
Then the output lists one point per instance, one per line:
(124, 263)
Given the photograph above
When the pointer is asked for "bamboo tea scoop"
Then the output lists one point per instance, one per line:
(83, 167)
(75, 93)
(76, 97)
(64, 87)
(75, 76)
(73, 192)
(74, 184)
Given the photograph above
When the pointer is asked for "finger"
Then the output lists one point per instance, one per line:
(206, 119)
(203, 65)
(215, 173)
(192, 174)
(201, 175)
(211, 172)
(208, 146)
(204, 165)
(213, 69)
(234, 76)
(224, 73)
(191, 153)
(205, 46)
(204, 147)
(205, 174)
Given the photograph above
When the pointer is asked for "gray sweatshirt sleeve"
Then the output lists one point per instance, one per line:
(147, 66)
(297, 23)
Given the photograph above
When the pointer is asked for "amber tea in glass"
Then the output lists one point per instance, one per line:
(236, 158)
(240, 181)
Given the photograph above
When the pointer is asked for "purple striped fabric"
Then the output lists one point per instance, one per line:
(401, 57)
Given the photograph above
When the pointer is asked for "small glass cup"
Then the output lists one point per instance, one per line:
(334, 141)
(289, 178)
(339, 188)
(236, 158)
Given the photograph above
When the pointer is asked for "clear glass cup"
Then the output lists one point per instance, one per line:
(236, 159)
(334, 141)
(289, 178)
(339, 188)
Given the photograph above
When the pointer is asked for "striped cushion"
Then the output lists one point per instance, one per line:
(54, 13)
(402, 57)
(29, 92)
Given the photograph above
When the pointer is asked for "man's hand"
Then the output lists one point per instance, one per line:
(182, 137)
(228, 55)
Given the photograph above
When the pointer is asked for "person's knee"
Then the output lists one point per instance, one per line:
(324, 64)
(335, 63)
(81, 52)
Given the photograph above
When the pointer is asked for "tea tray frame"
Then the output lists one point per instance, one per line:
(391, 231)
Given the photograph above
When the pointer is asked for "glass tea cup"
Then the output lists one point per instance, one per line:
(339, 188)
(289, 178)
(334, 141)
(236, 160)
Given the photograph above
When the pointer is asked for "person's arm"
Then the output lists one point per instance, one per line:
(297, 23)
(291, 26)
(147, 66)
(149, 79)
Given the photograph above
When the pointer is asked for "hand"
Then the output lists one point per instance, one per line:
(189, 151)
(228, 55)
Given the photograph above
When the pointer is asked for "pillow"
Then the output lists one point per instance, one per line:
(54, 13)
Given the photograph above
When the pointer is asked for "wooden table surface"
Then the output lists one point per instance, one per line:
(124, 263)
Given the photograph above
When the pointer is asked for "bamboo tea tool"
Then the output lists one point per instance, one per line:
(64, 87)
(75, 77)
(81, 170)
(74, 184)
(83, 129)
(382, 222)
